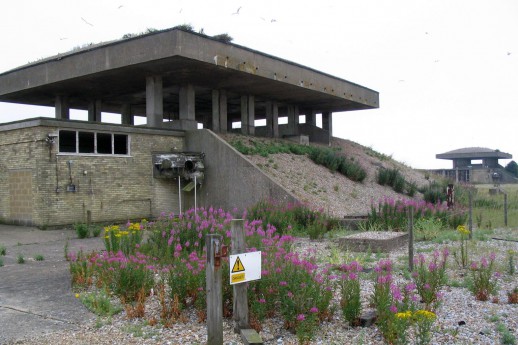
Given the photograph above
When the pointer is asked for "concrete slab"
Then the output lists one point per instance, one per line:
(38, 294)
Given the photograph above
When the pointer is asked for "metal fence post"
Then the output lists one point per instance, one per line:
(470, 219)
(505, 209)
(240, 301)
(214, 291)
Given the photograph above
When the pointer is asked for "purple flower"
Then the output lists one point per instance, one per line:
(393, 309)
(313, 310)
(410, 287)
(301, 317)
(283, 283)
(492, 256)
(262, 300)
(483, 262)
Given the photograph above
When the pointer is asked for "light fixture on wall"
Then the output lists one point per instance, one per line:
(51, 138)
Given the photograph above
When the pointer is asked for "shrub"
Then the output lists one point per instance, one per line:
(99, 303)
(82, 230)
(20, 259)
(39, 257)
(484, 278)
(427, 228)
(390, 213)
(127, 238)
(3, 250)
(430, 278)
(350, 298)
(131, 276)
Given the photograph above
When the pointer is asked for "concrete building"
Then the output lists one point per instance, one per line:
(476, 165)
(60, 171)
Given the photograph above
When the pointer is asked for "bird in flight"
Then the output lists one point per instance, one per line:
(84, 20)
(237, 12)
(120, 7)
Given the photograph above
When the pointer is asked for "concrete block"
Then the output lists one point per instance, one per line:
(362, 243)
(250, 336)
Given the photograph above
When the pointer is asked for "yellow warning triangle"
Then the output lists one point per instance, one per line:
(238, 266)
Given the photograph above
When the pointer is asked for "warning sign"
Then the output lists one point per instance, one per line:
(245, 267)
(238, 266)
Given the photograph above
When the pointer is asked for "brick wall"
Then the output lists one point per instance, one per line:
(108, 188)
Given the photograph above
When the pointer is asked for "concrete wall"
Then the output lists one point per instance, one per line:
(34, 177)
(232, 181)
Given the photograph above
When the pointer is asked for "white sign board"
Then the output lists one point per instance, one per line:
(245, 267)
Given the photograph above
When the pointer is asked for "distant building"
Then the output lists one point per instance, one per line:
(61, 171)
(476, 165)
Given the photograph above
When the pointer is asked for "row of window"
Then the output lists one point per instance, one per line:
(93, 142)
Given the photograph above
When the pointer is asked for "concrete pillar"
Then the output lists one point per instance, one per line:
(251, 115)
(275, 119)
(61, 107)
(327, 122)
(244, 115)
(126, 116)
(215, 111)
(269, 118)
(293, 120)
(187, 102)
(154, 101)
(94, 110)
(187, 107)
(223, 125)
(311, 117)
(272, 119)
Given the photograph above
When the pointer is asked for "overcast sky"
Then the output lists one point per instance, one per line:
(446, 70)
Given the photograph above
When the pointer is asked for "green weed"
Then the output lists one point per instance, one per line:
(39, 257)
(20, 259)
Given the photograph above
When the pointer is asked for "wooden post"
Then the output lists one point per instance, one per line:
(240, 301)
(470, 219)
(505, 209)
(411, 238)
(214, 291)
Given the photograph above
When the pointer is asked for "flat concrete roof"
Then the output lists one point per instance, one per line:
(116, 73)
(474, 153)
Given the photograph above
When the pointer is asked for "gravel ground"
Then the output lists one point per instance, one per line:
(332, 192)
(461, 319)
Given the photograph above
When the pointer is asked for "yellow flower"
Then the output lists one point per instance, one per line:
(463, 230)
(406, 315)
(425, 314)
(77, 295)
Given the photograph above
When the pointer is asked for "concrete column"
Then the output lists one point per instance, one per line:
(126, 116)
(187, 102)
(215, 111)
(154, 101)
(293, 120)
(223, 126)
(269, 119)
(62, 108)
(251, 115)
(187, 107)
(244, 115)
(327, 122)
(94, 110)
(275, 119)
(311, 117)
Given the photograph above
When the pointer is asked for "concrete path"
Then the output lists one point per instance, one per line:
(36, 297)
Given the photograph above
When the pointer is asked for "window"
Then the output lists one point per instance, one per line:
(93, 143)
